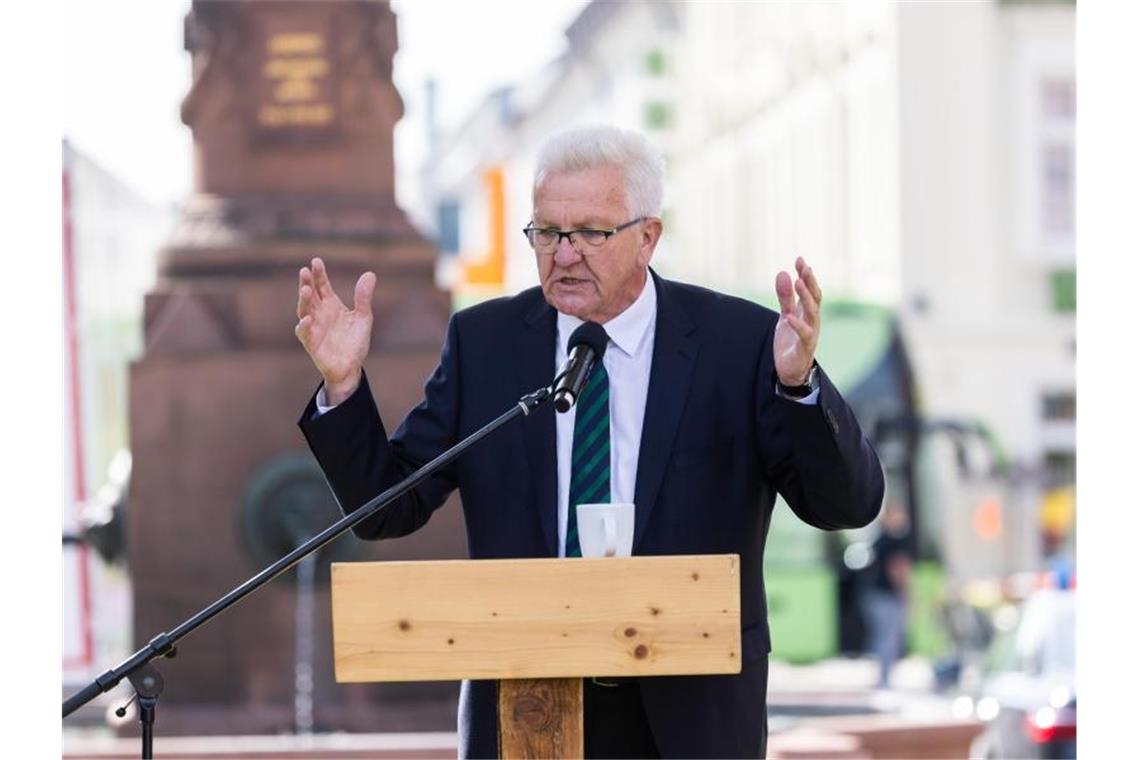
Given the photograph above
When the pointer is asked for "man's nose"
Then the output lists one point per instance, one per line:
(565, 253)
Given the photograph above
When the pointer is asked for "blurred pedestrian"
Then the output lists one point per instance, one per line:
(884, 599)
(1058, 559)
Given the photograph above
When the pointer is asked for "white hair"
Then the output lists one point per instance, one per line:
(594, 147)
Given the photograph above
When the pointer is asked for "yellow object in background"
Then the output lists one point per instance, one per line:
(1058, 510)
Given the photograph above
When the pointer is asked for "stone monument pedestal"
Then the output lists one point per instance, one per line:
(292, 109)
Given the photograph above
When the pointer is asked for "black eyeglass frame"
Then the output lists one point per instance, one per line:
(527, 230)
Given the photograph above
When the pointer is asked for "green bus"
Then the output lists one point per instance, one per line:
(812, 577)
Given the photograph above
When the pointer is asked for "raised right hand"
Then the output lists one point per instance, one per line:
(335, 338)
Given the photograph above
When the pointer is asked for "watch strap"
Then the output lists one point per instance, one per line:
(801, 391)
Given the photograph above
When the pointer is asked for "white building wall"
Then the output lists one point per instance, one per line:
(785, 147)
(979, 316)
(986, 340)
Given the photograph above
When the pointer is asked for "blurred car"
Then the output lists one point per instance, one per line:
(1028, 694)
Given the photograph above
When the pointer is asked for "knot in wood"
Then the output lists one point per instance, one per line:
(532, 712)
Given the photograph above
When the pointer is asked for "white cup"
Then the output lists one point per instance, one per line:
(605, 530)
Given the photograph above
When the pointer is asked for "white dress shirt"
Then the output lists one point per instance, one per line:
(628, 359)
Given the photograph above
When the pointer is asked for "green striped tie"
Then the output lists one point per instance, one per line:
(590, 466)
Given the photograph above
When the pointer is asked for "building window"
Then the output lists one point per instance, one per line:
(1057, 111)
(1043, 106)
(447, 221)
(1059, 406)
(1057, 200)
(1058, 99)
(1060, 468)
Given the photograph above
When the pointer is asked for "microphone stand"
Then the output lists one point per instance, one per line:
(148, 682)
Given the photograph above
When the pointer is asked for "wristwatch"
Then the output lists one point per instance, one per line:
(801, 391)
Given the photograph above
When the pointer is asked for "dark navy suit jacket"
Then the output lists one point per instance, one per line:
(717, 444)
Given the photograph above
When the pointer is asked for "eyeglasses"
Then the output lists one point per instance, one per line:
(545, 240)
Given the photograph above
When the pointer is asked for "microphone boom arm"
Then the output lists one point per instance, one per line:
(162, 645)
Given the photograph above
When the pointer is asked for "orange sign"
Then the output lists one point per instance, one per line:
(987, 519)
(490, 270)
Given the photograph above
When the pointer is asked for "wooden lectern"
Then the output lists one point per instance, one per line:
(539, 625)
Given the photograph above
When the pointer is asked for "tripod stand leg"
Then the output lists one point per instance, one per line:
(146, 718)
(148, 685)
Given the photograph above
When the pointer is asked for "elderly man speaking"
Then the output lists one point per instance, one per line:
(715, 404)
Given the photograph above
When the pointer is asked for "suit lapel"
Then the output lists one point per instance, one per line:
(535, 352)
(674, 353)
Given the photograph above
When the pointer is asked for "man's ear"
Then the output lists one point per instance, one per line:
(650, 233)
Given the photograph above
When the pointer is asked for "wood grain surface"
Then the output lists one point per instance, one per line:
(536, 618)
(541, 718)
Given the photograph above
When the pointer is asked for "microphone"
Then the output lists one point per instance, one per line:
(586, 348)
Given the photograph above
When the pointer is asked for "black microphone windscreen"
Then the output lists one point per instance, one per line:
(593, 335)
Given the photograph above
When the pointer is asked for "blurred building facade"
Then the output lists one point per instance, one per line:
(478, 181)
(986, 189)
(110, 235)
(919, 155)
(785, 146)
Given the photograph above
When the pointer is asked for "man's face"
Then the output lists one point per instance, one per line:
(602, 285)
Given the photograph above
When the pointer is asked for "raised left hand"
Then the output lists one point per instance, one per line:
(797, 332)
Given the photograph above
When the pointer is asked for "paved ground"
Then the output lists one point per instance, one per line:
(799, 692)
(807, 703)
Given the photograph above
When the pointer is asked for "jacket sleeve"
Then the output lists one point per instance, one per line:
(815, 454)
(359, 461)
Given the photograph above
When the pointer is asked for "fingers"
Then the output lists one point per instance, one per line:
(313, 287)
(321, 280)
(808, 304)
(304, 301)
(362, 296)
(785, 293)
(304, 329)
(805, 331)
(307, 298)
(806, 287)
(807, 274)
(802, 313)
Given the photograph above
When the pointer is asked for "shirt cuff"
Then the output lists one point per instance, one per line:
(322, 402)
(810, 400)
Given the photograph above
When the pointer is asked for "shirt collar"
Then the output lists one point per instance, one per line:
(627, 329)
